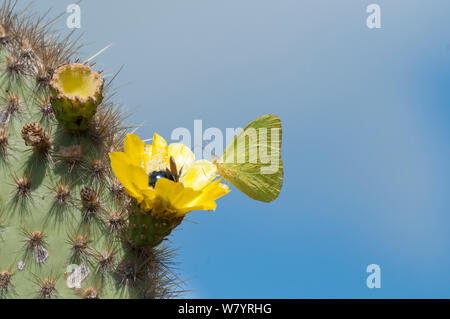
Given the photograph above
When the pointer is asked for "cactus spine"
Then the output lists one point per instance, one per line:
(60, 204)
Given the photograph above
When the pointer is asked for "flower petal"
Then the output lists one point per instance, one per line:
(182, 200)
(183, 156)
(176, 197)
(200, 174)
(134, 149)
(149, 197)
(210, 193)
(138, 177)
(159, 146)
(132, 177)
(183, 211)
(215, 190)
(169, 190)
(155, 156)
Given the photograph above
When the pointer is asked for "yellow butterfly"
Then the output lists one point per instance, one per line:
(252, 161)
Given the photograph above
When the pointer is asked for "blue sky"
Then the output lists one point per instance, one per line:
(365, 135)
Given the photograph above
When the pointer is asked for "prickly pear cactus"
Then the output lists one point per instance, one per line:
(64, 217)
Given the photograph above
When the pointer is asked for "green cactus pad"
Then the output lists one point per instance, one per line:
(64, 218)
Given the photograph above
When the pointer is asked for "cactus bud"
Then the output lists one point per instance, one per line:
(90, 202)
(34, 135)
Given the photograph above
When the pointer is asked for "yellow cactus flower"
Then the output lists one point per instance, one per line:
(166, 179)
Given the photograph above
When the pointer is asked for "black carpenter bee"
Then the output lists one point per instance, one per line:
(171, 173)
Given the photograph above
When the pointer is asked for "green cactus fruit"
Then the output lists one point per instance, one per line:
(64, 218)
(147, 229)
(76, 93)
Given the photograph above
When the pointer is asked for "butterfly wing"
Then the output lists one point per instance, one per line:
(252, 162)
